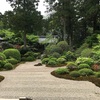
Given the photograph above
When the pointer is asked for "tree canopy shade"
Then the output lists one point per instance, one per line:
(25, 18)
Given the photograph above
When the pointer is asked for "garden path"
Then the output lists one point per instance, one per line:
(37, 83)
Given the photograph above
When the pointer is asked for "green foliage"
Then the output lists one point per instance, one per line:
(45, 60)
(8, 66)
(24, 50)
(29, 58)
(79, 50)
(75, 74)
(97, 74)
(63, 45)
(2, 63)
(71, 66)
(12, 61)
(61, 60)
(62, 71)
(70, 56)
(53, 48)
(7, 34)
(56, 55)
(82, 60)
(2, 56)
(12, 53)
(31, 39)
(91, 40)
(86, 52)
(81, 66)
(86, 72)
(52, 63)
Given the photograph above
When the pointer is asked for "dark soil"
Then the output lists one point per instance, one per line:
(92, 79)
(1, 78)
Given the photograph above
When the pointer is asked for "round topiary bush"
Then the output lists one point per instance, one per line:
(75, 74)
(70, 56)
(86, 72)
(56, 55)
(71, 66)
(29, 58)
(8, 66)
(61, 71)
(45, 60)
(12, 61)
(2, 56)
(52, 63)
(63, 45)
(61, 60)
(97, 74)
(50, 49)
(86, 60)
(81, 66)
(12, 53)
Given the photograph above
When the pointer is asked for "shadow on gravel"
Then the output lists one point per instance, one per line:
(92, 79)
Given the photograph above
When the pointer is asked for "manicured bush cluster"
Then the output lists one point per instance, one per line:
(81, 66)
(75, 74)
(82, 60)
(29, 56)
(56, 55)
(63, 45)
(2, 56)
(86, 72)
(12, 53)
(8, 66)
(71, 66)
(97, 74)
(61, 60)
(62, 71)
(12, 61)
(70, 56)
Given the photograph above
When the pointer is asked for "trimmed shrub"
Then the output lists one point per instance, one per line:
(71, 66)
(81, 66)
(2, 56)
(70, 56)
(45, 60)
(62, 71)
(86, 72)
(82, 60)
(50, 49)
(12, 61)
(75, 74)
(63, 45)
(56, 55)
(12, 53)
(29, 58)
(61, 60)
(97, 74)
(52, 63)
(8, 66)
(86, 52)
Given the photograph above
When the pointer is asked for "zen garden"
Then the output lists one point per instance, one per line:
(67, 40)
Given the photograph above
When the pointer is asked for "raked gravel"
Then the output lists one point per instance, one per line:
(37, 83)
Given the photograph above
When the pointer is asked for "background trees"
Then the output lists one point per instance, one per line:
(24, 18)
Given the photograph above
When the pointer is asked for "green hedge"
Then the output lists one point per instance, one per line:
(8, 66)
(2, 56)
(62, 71)
(12, 53)
(75, 74)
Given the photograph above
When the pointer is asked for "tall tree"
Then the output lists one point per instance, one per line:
(26, 18)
